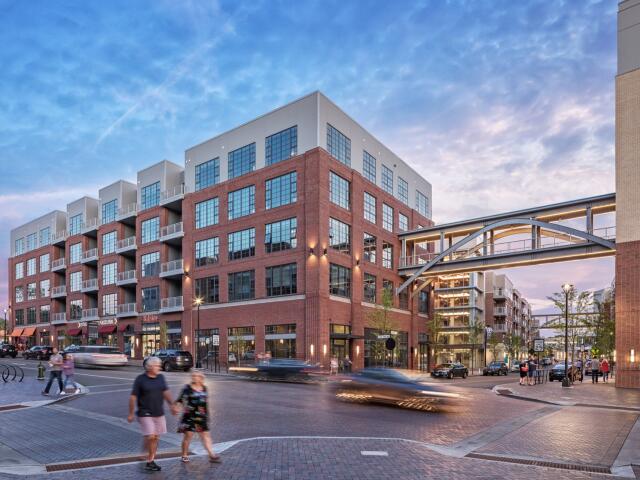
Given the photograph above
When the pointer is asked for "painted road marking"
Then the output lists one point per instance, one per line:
(374, 453)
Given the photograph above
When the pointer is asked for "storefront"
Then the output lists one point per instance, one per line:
(75, 336)
(376, 353)
(44, 338)
(280, 340)
(107, 333)
(174, 335)
(208, 342)
(242, 344)
(28, 337)
(61, 339)
(150, 338)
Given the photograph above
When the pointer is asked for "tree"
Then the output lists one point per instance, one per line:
(476, 329)
(163, 335)
(380, 319)
(578, 325)
(434, 328)
(513, 343)
(493, 342)
(603, 325)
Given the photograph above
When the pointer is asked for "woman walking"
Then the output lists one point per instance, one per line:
(195, 416)
(68, 368)
(604, 366)
(524, 368)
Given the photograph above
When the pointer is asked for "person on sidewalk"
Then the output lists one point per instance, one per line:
(604, 366)
(595, 370)
(55, 363)
(532, 370)
(579, 368)
(68, 368)
(524, 368)
(149, 390)
(195, 416)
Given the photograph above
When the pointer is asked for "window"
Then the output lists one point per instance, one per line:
(151, 299)
(280, 340)
(423, 302)
(207, 213)
(403, 222)
(387, 255)
(242, 285)
(19, 294)
(31, 291)
(339, 190)
(19, 270)
(109, 273)
(109, 211)
(281, 280)
(76, 309)
(45, 286)
(151, 230)
(20, 317)
(338, 145)
(369, 207)
(45, 236)
(75, 253)
(369, 250)
(242, 202)
(109, 304)
(32, 241)
(387, 179)
(207, 251)
(44, 313)
(281, 190)
(339, 280)
(44, 263)
(339, 236)
(207, 174)
(31, 315)
(109, 241)
(242, 160)
(422, 204)
(387, 285)
(75, 224)
(281, 235)
(75, 281)
(242, 244)
(150, 264)
(403, 191)
(369, 284)
(387, 217)
(150, 196)
(403, 299)
(208, 289)
(369, 166)
(281, 145)
(19, 246)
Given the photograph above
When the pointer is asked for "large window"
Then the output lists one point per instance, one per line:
(19, 246)
(339, 280)
(109, 211)
(76, 309)
(242, 244)
(339, 236)
(281, 145)
(19, 294)
(387, 179)
(32, 241)
(423, 302)
(208, 289)
(242, 160)
(369, 250)
(369, 207)
(150, 195)
(31, 266)
(339, 190)
(150, 264)
(31, 315)
(403, 190)
(151, 299)
(75, 281)
(44, 263)
(387, 255)
(387, 217)
(403, 299)
(45, 287)
(31, 291)
(281, 280)
(109, 241)
(338, 145)
(207, 213)
(369, 166)
(242, 202)
(109, 273)
(280, 340)
(44, 313)
(242, 286)
(20, 317)
(403, 222)
(75, 224)
(19, 270)
(207, 174)
(75, 253)
(369, 285)
(281, 190)
(45, 236)
(109, 304)
(281, 235)
(207, 251)
(422, 204)
(151, 230)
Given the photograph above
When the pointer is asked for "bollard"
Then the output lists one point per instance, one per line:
(41, 371)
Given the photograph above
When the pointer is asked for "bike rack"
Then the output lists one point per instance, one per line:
(8, 369)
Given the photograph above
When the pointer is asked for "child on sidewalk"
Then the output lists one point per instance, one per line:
(68, 368)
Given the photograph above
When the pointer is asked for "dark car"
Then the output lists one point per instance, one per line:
(279, 369)
(450, 370)
(496, 368)
(557, 373)
(8, 350)
(175, 360)
(38, 353)
(390, 387)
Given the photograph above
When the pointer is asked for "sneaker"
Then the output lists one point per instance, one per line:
(77, 390)
(63, 392)
(152, 467)
(45, 394)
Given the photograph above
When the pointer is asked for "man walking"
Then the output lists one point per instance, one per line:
(149, 390)
(55, 362)
(595, 369)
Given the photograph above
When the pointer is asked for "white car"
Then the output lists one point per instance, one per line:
(99, 356)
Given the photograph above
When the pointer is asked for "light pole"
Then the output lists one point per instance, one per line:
(5, 325)
(567, 289)
(198, 302)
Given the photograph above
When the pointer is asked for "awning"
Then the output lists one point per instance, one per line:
(17, 332)
(123, 328)
(28, 332)
(74, 332)
(106, 329)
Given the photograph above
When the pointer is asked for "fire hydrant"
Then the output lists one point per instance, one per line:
(41, 371)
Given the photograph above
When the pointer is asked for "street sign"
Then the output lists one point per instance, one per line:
(383, 337)
(215, 340)
(538, 345)
(390, 344)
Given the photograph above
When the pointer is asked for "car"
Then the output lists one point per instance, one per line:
(279, 369)
(99, 356)
(175, 359)
(557, 372)
(496, 368)
(515, 366)
(391, 387)
(8, 350)
(450, 370)
(38, 352)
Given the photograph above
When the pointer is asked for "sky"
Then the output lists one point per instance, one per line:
(501, 105)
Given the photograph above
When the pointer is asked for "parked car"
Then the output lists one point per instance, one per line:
(99, 356)
(515, 366)
(557, 372)
(496, 368)
(450, 370)
(8, 350)
(38, 353)
(175, 359)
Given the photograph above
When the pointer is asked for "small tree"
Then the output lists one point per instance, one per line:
(164, 336)
(578, 325)
(434, 327)
(380, 319)
(476, 329)
(513, 344)
(494, 341)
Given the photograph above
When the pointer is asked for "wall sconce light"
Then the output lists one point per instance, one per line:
(311, 251)
(357, 350)
(633, 355)
(186, 340)
(186, 273)
(324, 252)
(137, 342)
(357, 262)
(311, 349)
(324, 349)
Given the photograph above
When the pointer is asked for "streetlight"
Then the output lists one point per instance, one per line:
(5, 325)
(198, 302)
(567, 289)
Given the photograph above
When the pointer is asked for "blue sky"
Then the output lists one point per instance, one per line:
(500, 104)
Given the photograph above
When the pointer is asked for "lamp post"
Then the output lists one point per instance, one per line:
(5, 325)
(567, 289)
(198, 302)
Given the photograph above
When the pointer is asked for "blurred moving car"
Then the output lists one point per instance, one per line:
(515, 366)
(174, 359)
(496, 368)
(279, 369)
(390, 387)
(38, 353)
(98, 356)
(8, 350)
(450, 370)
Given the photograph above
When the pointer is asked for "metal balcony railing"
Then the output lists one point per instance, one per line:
(59, 317)
(58, 263)
(90, 225)
(172, 193)
(126, 243)
(500, 311)
(171, 302)
(173, 266)
(90, 254)
(127, 276)
(89, 313)
(173, 229)
(127, 308)
(414, 260)
(128, 210)
(91, 284)
(59, 291)
(60, 236)
(500, 327)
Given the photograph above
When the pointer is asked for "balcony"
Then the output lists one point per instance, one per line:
(59, 238)
(174, 268)
(90, 256)
(127, 245)
(90, 285)
(500, 328)
(172, 198)
(58, 265)
(500, 312)
(501, 293)
(58, 292)
(90, 226)
(171, 304)
(172, 233)
(89, 314)
(127, 277)
(127, 213)
(127, 310)
(59, 318)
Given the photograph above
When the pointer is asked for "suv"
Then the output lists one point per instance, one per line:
(496, 368)
(38, 353)
(175, 360)
(8, 350)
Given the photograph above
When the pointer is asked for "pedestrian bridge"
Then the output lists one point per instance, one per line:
(573, 230)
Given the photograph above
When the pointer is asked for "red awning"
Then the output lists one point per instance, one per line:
(17, 332)
(74, 332)
(28, 332)
(106, 329)
(123, 328)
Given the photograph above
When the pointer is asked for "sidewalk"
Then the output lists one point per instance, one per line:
(28, 393)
